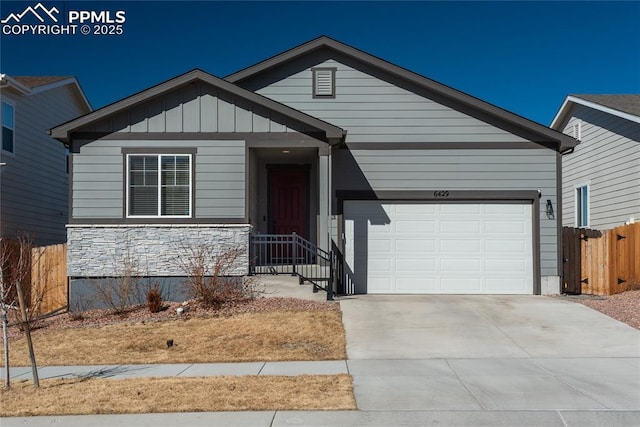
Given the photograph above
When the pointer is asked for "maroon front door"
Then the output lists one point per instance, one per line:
(289, 201)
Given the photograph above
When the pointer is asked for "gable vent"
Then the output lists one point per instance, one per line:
(324, 82)
(577, 130)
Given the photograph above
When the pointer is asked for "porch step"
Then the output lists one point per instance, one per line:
(288, 287)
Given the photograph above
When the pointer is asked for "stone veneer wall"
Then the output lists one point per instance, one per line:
(151, 250)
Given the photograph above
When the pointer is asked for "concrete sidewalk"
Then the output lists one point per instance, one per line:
(343, 418)
(421, 392)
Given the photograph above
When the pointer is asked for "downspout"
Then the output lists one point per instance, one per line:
(329, 199)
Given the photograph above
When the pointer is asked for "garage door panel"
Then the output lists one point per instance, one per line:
(415, 245)
(506, 227)
(379, 245)
(505, 266)
(502, 210)
(460, 227)
(380, 265)
(515, 247)
(459, 246)
(448, 266)
(461, 285)
(425, 266)
(379, 285)
(440, 248)
(465, 209)
(415, 226)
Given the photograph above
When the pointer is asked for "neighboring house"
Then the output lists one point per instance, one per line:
(426, 189)
(601, 178)
(34, 179)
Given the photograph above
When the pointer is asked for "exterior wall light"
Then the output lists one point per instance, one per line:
(550, 213)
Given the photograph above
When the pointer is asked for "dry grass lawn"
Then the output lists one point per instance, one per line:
(266, 336)
(154, 395)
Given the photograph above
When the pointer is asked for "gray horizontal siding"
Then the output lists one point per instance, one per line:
(608, 160)
(386, 170)
(220, 177)
(225, 197)
(35, 182)
(194, 108)
(375, 110)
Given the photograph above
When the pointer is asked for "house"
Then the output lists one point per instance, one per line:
(601, 177)
(34, 177)
(424, 188)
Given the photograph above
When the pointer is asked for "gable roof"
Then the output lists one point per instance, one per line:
(30, 85)
(62, 132)
(625, 106)
(560, 141)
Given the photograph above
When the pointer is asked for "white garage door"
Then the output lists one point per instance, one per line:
(416, 248)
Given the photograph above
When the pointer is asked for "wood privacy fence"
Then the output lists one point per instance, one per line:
(601, 263)
(49, 290)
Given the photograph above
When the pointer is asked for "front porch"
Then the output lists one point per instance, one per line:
(288, 189)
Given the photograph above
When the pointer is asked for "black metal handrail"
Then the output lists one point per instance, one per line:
(344, 283)
(294, 255)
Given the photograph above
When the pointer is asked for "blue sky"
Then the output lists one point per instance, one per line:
(522, 56)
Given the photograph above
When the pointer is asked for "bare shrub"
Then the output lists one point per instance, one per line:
(154, 299)
(116, 293)
(123, 290)
(210, 276)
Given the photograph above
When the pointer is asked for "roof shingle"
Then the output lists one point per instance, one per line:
(35, 81)
(625, 103)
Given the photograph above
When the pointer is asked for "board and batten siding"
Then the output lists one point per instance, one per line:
(374, 110)
(608, 160)
(35, 180)
(219, 177)
(496, 169)
(197, 107)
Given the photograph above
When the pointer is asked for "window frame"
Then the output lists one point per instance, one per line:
(333, 82)
(159, 156)
(579, 198)
(13, 143)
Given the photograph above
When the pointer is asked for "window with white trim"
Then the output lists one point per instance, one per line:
(8, 127)
(159, 185)
(582, 206)
(324, 82)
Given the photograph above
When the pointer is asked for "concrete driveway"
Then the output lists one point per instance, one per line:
(489, 353)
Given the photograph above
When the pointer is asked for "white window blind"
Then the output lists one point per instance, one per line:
(159, 185)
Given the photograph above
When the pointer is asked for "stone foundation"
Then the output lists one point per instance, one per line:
(151, 250)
